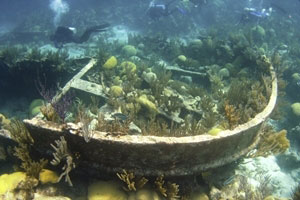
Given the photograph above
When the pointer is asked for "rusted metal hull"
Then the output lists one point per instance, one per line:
(151, 155)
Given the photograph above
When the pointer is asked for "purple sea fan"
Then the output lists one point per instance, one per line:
(61, 106)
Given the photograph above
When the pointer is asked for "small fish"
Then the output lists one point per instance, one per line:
(298, 83)
(120, 116)
(229, 180)
(259, 14)
(182, 11)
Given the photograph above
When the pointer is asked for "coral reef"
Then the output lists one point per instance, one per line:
(210, 83)
(215, 78)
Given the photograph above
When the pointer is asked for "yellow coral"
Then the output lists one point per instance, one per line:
(110, 63)
(146, 194)
(48, 176)
(35, 111)
(296, 77)
(182, 58)
(128, 66)
(3, 120)
(9, 182)
(270, 198)
(144, 101)
(116, 91)
(106, 190)
(215, 131)
(35, 103)
(296, 108)
(35, 106)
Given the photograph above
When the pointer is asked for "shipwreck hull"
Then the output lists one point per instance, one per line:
(153, 155)
(149, 155)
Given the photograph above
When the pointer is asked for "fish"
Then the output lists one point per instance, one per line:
(120, 116)
(259, 14)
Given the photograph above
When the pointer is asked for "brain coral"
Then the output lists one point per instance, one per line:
(110, 63)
